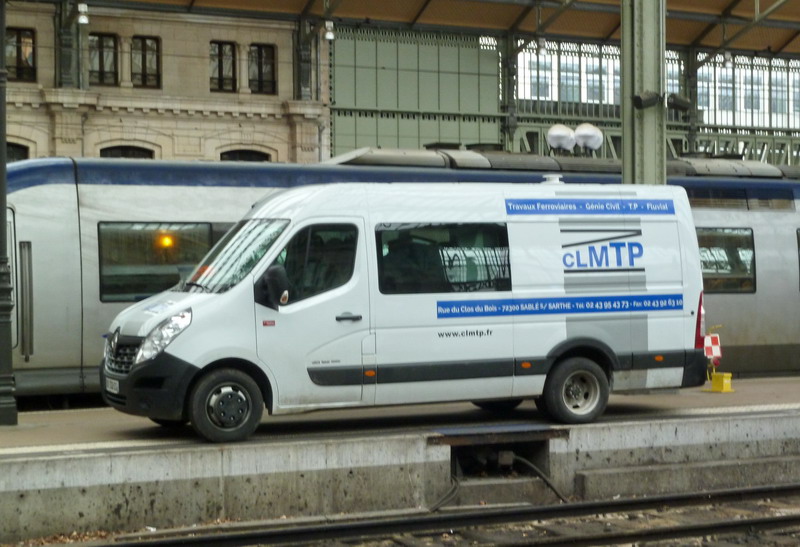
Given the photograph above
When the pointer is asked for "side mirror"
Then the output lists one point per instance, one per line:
(274, 287)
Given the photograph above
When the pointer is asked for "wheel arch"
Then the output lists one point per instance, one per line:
(590, 348)
(251, 369)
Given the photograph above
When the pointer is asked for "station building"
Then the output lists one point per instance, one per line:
(302, 81)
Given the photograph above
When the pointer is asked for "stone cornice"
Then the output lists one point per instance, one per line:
(227, 105)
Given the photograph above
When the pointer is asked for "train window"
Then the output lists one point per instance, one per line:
(776, 199)
(433, 258)
(727, 256)
(139, 259)
(717, 198)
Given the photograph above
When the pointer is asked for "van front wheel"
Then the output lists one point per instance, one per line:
(226, 406)
(576, 391)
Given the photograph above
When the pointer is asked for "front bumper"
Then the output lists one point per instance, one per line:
(156, 389)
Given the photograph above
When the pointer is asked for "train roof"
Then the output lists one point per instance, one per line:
(381, 165)
(475, 159)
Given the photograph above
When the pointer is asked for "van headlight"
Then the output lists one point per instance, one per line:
(161, 336)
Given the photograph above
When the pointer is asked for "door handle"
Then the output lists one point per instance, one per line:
(26, 299)
(347, 316)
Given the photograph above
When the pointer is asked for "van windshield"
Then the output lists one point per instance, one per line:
(234, 256)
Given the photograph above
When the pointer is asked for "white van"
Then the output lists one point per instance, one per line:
(351, 295)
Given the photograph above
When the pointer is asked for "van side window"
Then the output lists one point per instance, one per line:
(728, 260)
(434, 258)
(319, 258)
(140, 259)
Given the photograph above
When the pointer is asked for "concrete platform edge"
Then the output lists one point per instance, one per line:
(128, 490)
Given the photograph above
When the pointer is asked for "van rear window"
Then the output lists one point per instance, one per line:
(435, 258)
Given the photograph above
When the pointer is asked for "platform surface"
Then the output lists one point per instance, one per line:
(86, 428)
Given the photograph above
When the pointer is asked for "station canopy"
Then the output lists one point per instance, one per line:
(752, 26)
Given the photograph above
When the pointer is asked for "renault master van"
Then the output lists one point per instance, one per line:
(353, 295)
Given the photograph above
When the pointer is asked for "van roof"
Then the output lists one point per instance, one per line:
(450, 201)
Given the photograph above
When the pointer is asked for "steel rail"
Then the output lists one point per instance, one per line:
(381, 527)
(717, 528)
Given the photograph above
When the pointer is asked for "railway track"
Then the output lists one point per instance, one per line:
(755, 516)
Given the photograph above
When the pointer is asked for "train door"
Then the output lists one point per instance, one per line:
(11, 245)
(48, 290)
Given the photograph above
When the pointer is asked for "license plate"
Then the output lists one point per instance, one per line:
(112, 386)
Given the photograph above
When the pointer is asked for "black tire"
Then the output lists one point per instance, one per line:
(576, 391)
(170, 424)
(498, 405)
(226, 406)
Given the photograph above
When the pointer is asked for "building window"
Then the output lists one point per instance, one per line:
(146, 61)
(127, 152)
(245, 155)
(223, 66)
(102, 59)
(261, 69)
(434, 258)
(21, 54)
(16, 152)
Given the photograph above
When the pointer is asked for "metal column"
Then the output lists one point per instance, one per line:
(644, 122)
(8, 405)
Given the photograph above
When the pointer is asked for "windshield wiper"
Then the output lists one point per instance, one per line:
(198, 285)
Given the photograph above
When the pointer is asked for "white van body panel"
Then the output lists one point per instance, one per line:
(309, 335)
(607, 273)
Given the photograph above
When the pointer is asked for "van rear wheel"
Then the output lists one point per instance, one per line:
(226, 406)
(576, 391)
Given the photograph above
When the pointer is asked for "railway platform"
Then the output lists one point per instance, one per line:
(98, 469)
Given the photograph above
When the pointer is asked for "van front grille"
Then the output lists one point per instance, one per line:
(122, 359)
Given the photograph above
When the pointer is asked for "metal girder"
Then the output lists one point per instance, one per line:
(307, 8)
(515, 26)
(420, 12)
(742, 31)
(789, 41)
(544, 4)
(725, 14)
(541, 27)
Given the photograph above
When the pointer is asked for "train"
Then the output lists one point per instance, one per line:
(89, 236)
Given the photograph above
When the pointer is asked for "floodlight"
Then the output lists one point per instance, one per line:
(646, 99)
(329, 35)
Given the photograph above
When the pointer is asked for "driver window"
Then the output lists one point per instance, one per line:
(319, 258)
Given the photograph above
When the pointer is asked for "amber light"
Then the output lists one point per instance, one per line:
(369, 373)
(165, 241)
(659, 358)
(526, 364)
